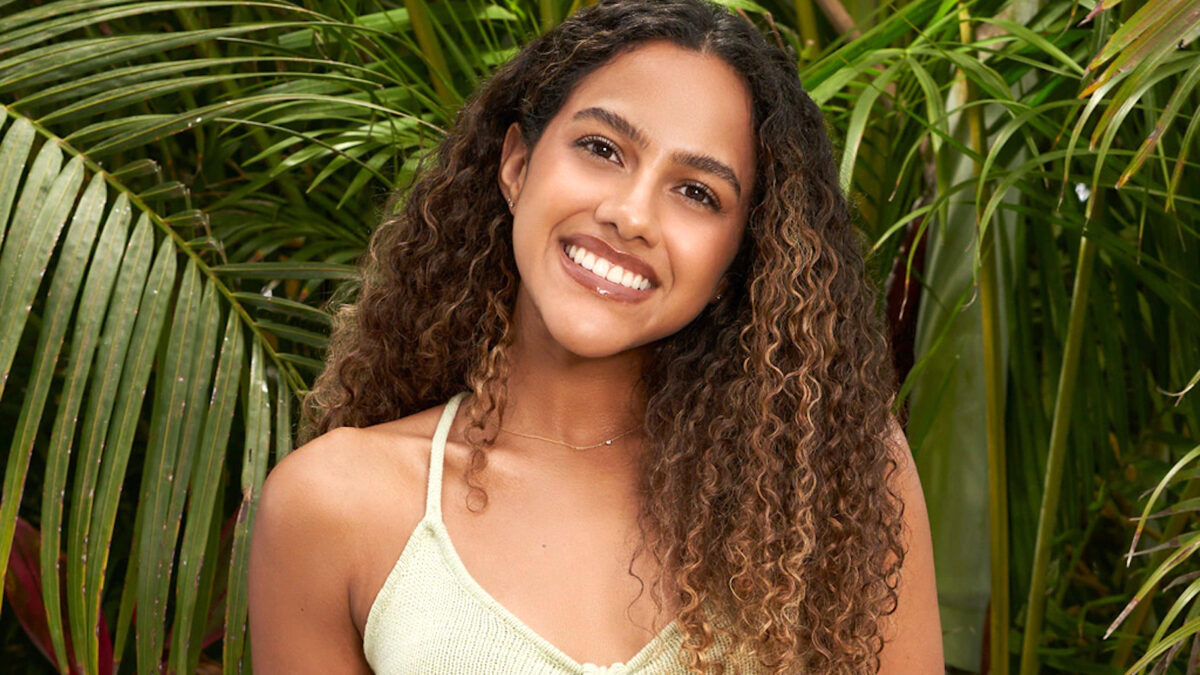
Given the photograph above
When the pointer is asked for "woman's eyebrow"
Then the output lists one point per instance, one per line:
(709, 164)
(612, 119)
(705, 163)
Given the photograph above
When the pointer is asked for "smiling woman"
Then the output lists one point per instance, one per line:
(632, 268)
(637, 179)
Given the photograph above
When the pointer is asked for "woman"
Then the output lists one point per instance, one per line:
(673, 452)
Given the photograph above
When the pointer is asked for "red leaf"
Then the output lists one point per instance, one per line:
(23, 590)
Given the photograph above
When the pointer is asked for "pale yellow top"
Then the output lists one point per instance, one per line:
(431, 616)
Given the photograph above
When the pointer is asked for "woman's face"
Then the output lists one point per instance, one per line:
(648, 167)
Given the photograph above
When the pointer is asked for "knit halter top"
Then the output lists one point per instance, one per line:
(432, 617)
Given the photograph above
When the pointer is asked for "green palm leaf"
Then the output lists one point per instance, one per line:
(127, 294)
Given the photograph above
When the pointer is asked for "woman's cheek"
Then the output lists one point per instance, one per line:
(578, 182)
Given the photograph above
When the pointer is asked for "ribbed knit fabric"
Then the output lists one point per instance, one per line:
(432, 617)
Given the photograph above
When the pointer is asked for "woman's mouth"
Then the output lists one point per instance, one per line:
(605, 269)
(600, 274)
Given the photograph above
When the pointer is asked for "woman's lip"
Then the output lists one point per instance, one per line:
(603, 250)
(599, 285)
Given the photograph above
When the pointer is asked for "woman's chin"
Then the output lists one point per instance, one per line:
(594, 344)
(581, 329)
(595, 347)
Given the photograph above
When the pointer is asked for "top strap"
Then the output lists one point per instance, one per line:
(437, 454)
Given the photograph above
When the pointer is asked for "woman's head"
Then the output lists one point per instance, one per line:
(765, 480)
(631, 206)
(792, 164)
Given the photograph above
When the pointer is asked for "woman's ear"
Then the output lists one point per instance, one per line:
(514, 159)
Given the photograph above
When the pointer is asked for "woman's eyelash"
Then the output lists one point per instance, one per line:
(588, 142)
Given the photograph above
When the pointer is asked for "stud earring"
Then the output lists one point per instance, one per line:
(510, 202)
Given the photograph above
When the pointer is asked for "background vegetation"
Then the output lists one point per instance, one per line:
(184, 186)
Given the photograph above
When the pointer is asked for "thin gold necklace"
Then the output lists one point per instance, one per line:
(570, 445)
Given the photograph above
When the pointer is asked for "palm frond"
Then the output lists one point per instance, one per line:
(117, 290)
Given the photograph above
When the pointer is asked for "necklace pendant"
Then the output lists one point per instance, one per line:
(608, 442)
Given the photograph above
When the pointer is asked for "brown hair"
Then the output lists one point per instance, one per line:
(766, 483)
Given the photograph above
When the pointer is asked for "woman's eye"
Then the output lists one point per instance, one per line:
(599, 147)
(701, 194)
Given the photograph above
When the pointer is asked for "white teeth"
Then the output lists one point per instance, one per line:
(606, 269)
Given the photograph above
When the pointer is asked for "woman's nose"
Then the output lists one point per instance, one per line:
(629, 207)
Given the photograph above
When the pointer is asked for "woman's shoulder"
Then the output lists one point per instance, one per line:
(331, 518)
(336, 511)
(346, 473)
(350, 488)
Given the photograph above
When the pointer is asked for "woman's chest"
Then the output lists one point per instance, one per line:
(567, 571)
(570, 575)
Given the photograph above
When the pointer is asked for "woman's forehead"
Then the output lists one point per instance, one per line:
(675, 99)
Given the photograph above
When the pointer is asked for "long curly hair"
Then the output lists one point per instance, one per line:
(765, 487)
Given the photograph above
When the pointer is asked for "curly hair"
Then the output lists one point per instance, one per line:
(765, 484)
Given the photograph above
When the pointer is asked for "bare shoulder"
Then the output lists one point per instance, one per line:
(329, 516)
(345, 476)
(912, 634)
(338, 473)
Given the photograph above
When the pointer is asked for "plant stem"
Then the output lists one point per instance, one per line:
(422, 25)
(548, 14)
(994, 378)
(994, 384)
(838, 15)
(806, 20)
(1054, 462)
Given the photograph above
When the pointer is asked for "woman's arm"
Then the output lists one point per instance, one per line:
(300, 619)
(913, 633)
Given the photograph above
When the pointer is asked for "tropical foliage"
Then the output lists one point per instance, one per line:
(185, 184)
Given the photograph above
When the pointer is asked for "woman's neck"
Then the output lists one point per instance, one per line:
(562, 396)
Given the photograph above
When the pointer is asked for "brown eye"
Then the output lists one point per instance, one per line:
(599, 147)
(602, 149)
(701, 194)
